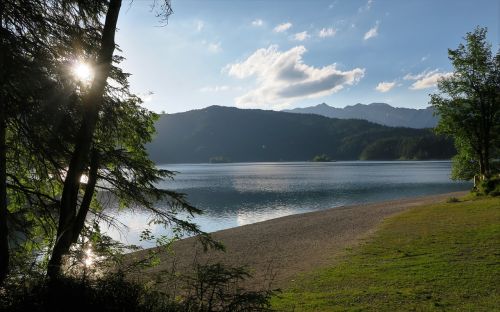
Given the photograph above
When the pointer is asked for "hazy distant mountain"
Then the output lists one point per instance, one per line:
(380, 113)
(224, 134)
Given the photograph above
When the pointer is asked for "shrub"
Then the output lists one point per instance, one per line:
(108, 293)
(210, 288)
(489, 187)
(453, 200)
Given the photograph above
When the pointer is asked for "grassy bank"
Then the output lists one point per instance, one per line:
(440, 257)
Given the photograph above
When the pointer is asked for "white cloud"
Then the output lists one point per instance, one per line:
(214, 88)
(257, 22)
(199, 25)
(327, 32)
(283, 27)
(301, 36)
(372, 33)
(385, 86)
(282, 78)
(424, 58)
(214, 47)
(366, 7)
(426, 79)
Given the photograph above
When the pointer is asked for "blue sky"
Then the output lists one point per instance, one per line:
(284, 54)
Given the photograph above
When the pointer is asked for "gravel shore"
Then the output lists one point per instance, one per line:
(281, 248)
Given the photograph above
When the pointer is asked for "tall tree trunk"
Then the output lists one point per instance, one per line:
(486, 153)
(481, 166)
(87, 197)
(4, 233)
(91, 104)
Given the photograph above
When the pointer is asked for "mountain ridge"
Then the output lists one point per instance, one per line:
(381, 113)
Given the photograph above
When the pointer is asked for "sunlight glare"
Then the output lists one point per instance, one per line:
(90, 257)
(89, 262)
(82, 71)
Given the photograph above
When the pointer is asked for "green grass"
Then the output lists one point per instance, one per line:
(444, 257)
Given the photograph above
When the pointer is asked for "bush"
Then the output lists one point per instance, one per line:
(489, 187)
(215, 287)
(322, 158)
(453, 200)
(108, 293)
(210, 288)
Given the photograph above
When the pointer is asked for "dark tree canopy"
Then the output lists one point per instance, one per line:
(65, 143)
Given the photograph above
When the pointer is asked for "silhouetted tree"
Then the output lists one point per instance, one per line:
(58, 130)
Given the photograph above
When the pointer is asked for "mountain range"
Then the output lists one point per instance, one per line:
(228, 134)
(380, 113)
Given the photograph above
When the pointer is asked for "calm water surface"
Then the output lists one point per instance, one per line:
(243, 193)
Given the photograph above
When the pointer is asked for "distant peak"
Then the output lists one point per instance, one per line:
(218, 107)
(323, 105)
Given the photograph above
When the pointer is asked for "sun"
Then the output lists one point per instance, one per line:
(82, 71)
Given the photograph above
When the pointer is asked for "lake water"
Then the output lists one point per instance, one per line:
(242, 193)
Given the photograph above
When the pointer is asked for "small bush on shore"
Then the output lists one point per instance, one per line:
(453, 199)
(489, 187)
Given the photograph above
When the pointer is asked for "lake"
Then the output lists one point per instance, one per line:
(242, 193)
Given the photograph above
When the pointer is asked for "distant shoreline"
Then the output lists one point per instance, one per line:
(292, 244)
(308, 162)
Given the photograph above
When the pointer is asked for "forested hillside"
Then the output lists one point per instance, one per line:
(243, 135)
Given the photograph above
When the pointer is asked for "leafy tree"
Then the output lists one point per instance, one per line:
(54, 174)
(468, 104)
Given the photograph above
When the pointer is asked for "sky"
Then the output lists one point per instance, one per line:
(279, 54)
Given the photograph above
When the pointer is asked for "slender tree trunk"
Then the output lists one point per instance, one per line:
(87, 197)
(481, 166)
(91, 104)
(485, 137)
(487, 172)
(4, 233)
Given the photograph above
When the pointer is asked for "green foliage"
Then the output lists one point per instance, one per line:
(468, 104)
(489, 187)
(321, 158)
(464, 165)
(409, 148)
(439, 257)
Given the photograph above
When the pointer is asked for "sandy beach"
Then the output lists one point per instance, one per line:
(280, 249)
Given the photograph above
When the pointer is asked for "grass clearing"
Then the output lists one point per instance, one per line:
(438, 257)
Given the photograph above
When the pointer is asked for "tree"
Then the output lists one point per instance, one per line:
(468, 104)
(45, 158)
(91, 106)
